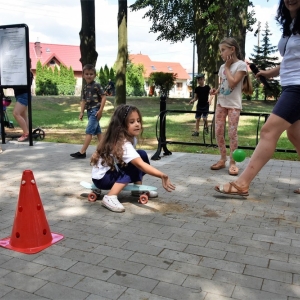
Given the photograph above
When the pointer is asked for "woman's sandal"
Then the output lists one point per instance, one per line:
(239, 191)
(233, 170)
(219, 165)
(297, 191)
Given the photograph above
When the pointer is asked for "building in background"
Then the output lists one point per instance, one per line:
(181, 88)
(52, 55)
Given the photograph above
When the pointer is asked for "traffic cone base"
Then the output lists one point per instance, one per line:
(5, 243)
(31, 232)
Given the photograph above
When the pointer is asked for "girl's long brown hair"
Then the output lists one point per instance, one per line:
(110, 148)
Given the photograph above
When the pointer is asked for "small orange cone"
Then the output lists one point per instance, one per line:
(31, 232)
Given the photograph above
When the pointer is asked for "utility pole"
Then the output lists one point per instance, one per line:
(258, 34)
(258, 49)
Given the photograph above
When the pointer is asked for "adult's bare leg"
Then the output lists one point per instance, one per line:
(264, 150)
(293, 134)
(20, 115)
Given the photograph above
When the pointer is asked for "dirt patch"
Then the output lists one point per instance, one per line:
(166, 208)
(210, 213)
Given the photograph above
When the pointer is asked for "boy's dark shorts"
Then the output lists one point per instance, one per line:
(200, 114)
(288, 104)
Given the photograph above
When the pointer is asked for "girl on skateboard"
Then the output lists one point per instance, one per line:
(116, 162)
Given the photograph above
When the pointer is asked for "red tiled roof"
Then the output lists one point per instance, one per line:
(156, 66)
(65, 54)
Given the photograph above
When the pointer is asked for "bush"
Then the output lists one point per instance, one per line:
(54, 82)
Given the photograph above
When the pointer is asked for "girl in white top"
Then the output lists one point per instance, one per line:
(234, 80)
(116, 162)
(286, 113)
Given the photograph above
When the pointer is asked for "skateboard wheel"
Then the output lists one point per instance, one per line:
(143, 199)
(92, 197)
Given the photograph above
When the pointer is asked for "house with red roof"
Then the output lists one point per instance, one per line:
(52, 55)
(180, 89)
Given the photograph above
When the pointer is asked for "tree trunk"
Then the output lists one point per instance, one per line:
(87, 33)
(241, 12)
(122, 54)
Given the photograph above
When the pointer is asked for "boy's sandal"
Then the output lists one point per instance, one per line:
(233, 170)
(219, 165)
(239, 191)
(297, 191)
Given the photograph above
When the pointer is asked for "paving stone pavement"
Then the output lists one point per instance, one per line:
(190, 244)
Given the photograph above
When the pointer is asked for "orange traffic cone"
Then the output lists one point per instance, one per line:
(31, 232)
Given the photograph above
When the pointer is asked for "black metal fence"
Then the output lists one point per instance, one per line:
(207, 140)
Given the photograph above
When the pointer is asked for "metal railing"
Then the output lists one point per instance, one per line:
(208, 141)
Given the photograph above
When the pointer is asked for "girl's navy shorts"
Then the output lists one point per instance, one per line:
(288, 105)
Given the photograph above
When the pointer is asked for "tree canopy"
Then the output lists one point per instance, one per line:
(163, 81)
(206, 22)
(263, 58)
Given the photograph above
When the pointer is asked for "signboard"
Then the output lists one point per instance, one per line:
(15, 67)
(13, 61)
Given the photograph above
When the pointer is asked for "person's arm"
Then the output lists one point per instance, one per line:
(148, 169)
(82, 106)
(210, 99)
(194, 99)
(233, 79)
(100, 111)
(269, 73)
(215, 91)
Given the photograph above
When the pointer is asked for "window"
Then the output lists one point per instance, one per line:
(52, 62)
(170, 69)
(179, 86)
(153, 68)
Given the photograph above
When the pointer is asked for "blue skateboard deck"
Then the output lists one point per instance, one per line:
(143, 189)
(129, 187)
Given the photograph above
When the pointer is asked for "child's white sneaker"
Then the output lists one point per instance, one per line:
(152, 194)
(112, 203)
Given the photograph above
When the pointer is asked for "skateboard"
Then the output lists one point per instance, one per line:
(143, 189)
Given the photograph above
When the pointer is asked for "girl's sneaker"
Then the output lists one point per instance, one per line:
(112, 203)
(23, 138)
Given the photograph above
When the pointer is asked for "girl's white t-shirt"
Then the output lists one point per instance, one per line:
(129, 153)
(227, 97)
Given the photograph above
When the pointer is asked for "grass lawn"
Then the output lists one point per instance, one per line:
(58, 116)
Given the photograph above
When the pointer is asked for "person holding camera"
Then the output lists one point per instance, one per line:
(286, 112)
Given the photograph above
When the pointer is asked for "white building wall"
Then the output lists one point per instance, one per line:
(184, 92)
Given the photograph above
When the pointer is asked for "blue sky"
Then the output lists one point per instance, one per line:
(59, 22)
